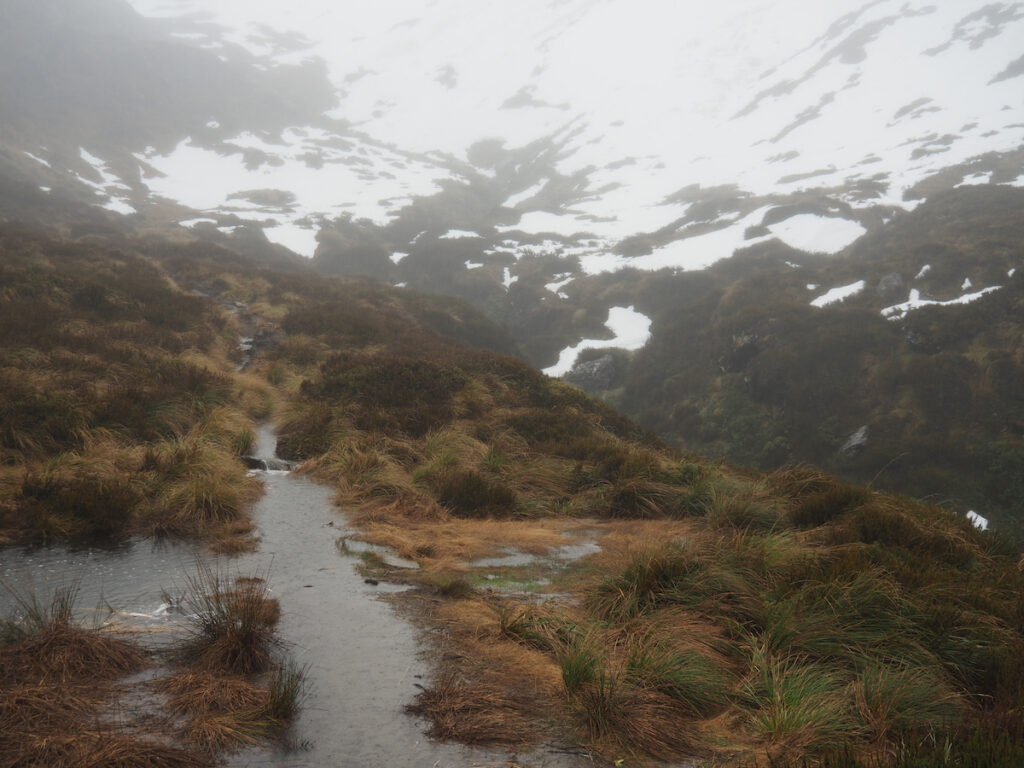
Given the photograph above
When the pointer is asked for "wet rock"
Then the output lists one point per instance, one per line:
(268, 465)
(890, 285)
(856, 442)
(371, 582)
(596, 375)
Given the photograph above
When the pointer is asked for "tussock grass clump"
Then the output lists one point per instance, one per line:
(192, 692)
(702, 686)
(581, 660)
(97, 748)
(44, 643)
(641, 721)
(650, 575)
(470, 494)
(534, 629)
(287, 691)
(474, 713)
(798, 705)
(233, 624)
(892, 699)
(55, 679)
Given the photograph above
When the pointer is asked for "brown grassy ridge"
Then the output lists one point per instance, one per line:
(731, 615)
(121, 414)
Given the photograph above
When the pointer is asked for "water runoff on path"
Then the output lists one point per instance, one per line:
(363, 661)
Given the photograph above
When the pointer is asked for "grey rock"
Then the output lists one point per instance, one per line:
(890, 285)
(594, 375)
(855, 443)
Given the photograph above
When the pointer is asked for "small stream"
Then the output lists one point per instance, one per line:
(363, 660)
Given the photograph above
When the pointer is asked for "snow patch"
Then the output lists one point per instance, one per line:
(981, 523)
(632, 331)
(39, 159)
(525, 195)
(975, 179)
(474, 264)
(397, 256)
(360, 180)
(299, 239)
(192, 222)
(841, 293)
(924, 271)
(817, 234)
(560, 282)
(508, 278)
(459, 234)
(966, 284)
(914, 301)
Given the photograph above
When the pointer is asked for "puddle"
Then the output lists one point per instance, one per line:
(349, 546)
(517, 559)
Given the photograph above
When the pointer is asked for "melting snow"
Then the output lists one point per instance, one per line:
(817, 234)
(632, 331)
(975, 179)
(368, 188)
(561, 281)
(525, 195)
(841, 293)
(914, 301)
(458, 234)
(38, 159)
(108, 182)
(294, 237)
(980, 522)
(823, 107)
(508, 278)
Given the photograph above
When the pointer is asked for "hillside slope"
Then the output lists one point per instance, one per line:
(920, 396)
(714, 612)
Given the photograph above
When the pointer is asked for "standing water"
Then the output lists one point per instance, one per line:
(362, 660)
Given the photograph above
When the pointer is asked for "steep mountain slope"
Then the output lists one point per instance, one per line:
(912, 382)
(591, 161)
(714, 613)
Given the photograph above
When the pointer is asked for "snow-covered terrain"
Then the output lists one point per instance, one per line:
(858, 100)
(631, 331)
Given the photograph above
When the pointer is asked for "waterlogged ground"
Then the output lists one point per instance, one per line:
(364, 662)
